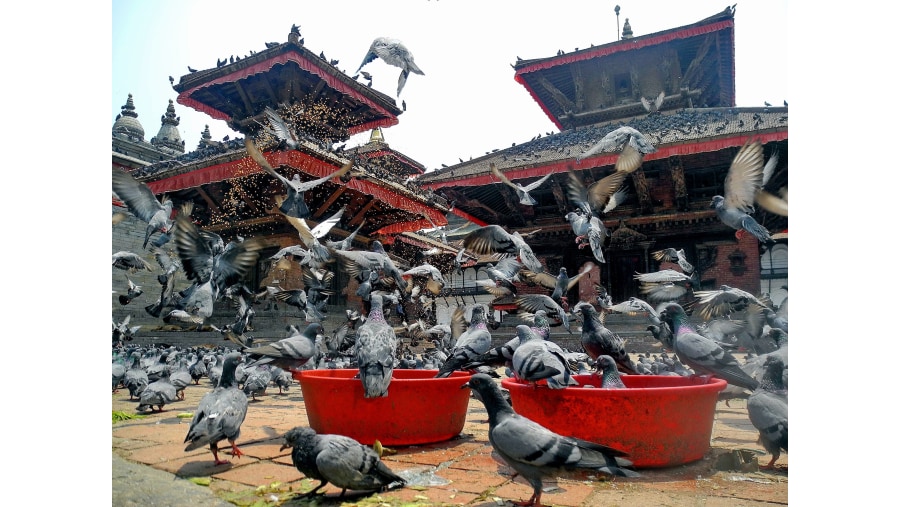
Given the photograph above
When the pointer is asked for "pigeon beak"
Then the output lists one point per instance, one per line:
(464, 385)
(285, 446)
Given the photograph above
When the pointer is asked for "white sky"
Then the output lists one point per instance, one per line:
(466, 104)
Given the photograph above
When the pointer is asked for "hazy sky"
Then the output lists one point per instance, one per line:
(466, 104)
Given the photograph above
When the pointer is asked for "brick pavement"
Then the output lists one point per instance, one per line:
(464, 467)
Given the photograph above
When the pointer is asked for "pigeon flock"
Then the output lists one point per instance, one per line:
(372, 342)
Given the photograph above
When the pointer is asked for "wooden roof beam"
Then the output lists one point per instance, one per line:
(559, 97)
(248, 105)
(213, 207)
(362, 213)
(328, 202)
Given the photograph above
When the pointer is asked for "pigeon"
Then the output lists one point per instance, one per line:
(536, 452)
(289, 353)
(204, 258)
(768, 410)
(376, 344)
(339, 460)
(170, 265)
(743, 181)
(603, 195)
(536, 359)
(609, 373)
(143, 203)
(598, 340)
(134, 290)
(122, 332)
(469, 345)
(723, 301)
(130, 261)
(521, 191)
(702, 354)
(675, 256)
(621, 137)
(277, 128)
(654, 106)
(536, 302)
(666, 285)
(561, 284)
(294, 205)
(376, 259)
(589, 226)
(257, 381)
(319, 253)
(494, 239)
(159, 392)
(394, 53)
(136, 379)
(220, 413)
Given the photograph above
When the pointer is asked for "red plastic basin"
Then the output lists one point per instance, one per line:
(660, 421)
(418, 409)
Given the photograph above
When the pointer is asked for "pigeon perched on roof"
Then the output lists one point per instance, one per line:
(620, 138)
(535, 359)
(338, 460)
(598, 340)
(220, 413)
(536, 452)
(294, 205)
(700, 353)
(768, 410)
(376, 345)
(469, 344)
(143, 203)
(521, 190)
(494, 239)
(743, 181)
(394, 53)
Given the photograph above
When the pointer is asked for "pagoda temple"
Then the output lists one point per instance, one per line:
(676, 87)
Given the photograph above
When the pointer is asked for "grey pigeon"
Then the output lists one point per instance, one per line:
(220, 413)
(521, 190)
(339, 460)
(598, 340)
(257, 381)
(609, 373)
(143, 203)
(376, 259)
(393, 52)
(159, 392)
(134, 290)
(561, 284)
(294, 205)
(494, 239)
(376, 345)
(620, 138)
(701, 354)
(136, 379)
(605, 194)
(536, 452)
(289, 353)
(588, 226)
(768, 410)
(130, 261)
(536, 302)
(676, 256)
(470, 344)
(536, 359)
(743, 181)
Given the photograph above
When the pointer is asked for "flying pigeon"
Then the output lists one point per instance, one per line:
(536, 452)
(768, 410)
(702, 354)
(376, 344)
(603, 195)
(521, 191)
(393, 52)
(536, 302)
(744, 179)
(494, 239)
(220, 413)
(142, 203)
(654, 106)
(289, 353)
(130, 261)
(588, 226)
(294, 205)
(674, 256)
(617, 139)
(320, 254)
(536, 359)
(376, 259)
(134, 290)
(561, 284)
(339, 460)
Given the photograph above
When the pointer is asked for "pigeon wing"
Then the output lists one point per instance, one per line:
(744, 177)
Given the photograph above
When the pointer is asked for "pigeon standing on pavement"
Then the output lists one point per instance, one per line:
(220, 413)
(393, 52)
(289, 353)
(376, 345)
(536, 452)
(743, 181)
(702, 354)
(159, 392)
(768, 410)
(339, 460)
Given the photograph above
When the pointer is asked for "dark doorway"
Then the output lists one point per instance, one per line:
(621, 267)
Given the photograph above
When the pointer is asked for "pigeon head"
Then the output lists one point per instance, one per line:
(296, 436)
(717, 202)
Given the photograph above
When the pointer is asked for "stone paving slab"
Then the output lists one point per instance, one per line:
(151, 449)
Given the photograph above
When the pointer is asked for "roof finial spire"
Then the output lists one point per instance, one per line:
(626, 30)
(617, 20)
